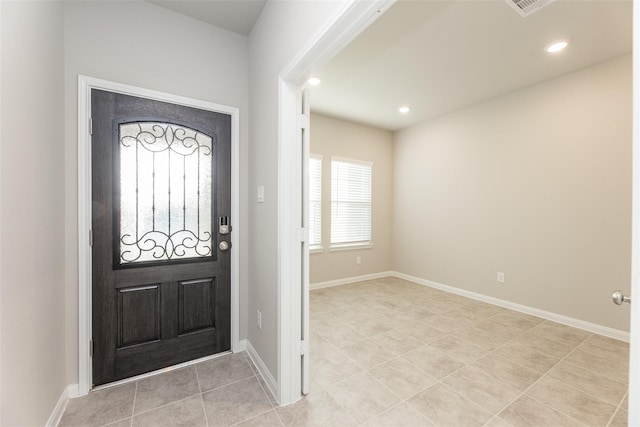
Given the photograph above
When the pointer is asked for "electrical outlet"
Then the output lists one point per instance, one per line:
(259, 320)
(500, 277)
(358, 260)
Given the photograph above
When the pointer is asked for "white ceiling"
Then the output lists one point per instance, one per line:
(440, 56)
(238, 16)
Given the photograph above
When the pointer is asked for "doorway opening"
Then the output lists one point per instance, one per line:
(636, 107)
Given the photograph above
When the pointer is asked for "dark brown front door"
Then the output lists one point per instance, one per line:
(160, 201)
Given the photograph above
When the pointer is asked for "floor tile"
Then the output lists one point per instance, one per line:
(528, 412)
(418, 312)
(268, 419)
(507, 372)
(458, 349)
(100, 407)
(402, 415)
(589, 382)
(447, 322)
(566, 334)
(480, 338)
(363, 397)
(497, 422)
(235, 403)
(484, 390)
(222, 371)
(432, 362)
(342, 335)
(402, 378)
(576, 404)
(444, 407)
(315, 410)
(482, 310)
(318, 346)
(367, 353)
(327, 370)
(526, 356)
(266, 390)
(187, 412)
(608, 344)
(122, 423)
(396, 342)
(507, 331)
(159, 390)
(423, 332)
(598, 361)
(545, 343)
(614, 350)
(620, 419)
(514, 318)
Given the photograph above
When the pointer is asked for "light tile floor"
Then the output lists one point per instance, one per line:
(392, 353)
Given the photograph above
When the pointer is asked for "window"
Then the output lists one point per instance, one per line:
(315, 201)
(350, 203)
(164, 194)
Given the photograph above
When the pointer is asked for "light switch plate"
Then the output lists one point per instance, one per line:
(260, 194)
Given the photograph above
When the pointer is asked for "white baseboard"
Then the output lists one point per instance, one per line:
(69, 392)
(348, 280)
(554, 317)
(272, 384)
(241, 345)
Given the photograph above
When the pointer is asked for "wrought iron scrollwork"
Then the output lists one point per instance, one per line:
(165, 192)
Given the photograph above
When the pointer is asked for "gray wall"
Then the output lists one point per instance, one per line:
(144, 45)
(283, 29)
(32, 295)
(535, 184)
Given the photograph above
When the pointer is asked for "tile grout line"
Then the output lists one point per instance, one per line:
(618, 408)
(204, 410)
(133, 410)
(540, 379)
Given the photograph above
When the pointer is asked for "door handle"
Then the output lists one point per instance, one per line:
(224, 246)
(618, 297)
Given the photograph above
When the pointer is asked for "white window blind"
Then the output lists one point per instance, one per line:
(315, 201)
(350, 202)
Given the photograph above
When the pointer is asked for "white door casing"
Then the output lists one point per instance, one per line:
(348, 22)
(304, 127)
(634, 354)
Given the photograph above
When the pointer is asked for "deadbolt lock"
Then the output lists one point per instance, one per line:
(223, 225)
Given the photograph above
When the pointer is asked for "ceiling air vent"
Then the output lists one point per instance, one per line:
(527, 7)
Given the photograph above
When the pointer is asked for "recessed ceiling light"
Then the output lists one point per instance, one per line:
(404, 109)
(556, 46)
(314, 81)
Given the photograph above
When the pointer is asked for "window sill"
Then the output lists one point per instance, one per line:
(316, 250)
(351, 247)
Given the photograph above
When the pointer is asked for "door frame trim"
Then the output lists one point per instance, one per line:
(348, 21)
(85, 84)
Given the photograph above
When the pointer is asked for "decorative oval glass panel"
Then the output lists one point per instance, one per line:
(165, 193)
